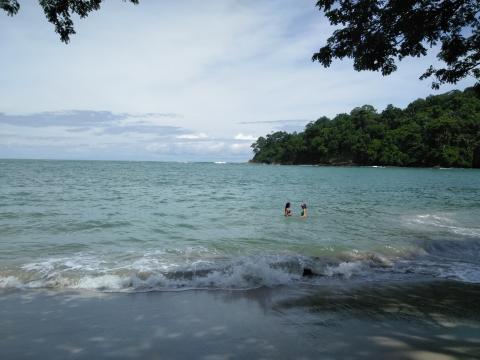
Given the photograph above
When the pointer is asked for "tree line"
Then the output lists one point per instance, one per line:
(441, 130)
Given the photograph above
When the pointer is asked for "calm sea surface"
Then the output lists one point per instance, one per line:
(141, 226)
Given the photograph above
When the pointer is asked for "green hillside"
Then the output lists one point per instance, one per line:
(441, 130)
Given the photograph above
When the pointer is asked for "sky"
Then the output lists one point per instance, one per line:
(182, 80)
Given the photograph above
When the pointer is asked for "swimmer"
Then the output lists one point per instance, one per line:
(288, 211)
(303, 213)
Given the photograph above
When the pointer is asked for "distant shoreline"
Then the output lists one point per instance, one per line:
(131, 160)
(352, 165)
(249, 162)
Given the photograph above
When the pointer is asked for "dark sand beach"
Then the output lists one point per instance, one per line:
(406, 320)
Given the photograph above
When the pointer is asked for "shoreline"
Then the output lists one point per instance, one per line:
(246, 162)
(395, 320)
(351, 165)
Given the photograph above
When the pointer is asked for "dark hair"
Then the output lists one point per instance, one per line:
(304, 206)
(287, 205)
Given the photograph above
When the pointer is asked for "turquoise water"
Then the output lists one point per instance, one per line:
(139, 226)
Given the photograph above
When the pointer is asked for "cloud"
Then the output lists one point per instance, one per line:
(202, 150)
(79, 129)
(242, 136)
(275, 121)
(193, 136)
(83, 120)
(106, 135)
(61, 118)
(241, 148)
(144, 129)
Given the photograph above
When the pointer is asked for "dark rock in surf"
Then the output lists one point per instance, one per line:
(308, 272)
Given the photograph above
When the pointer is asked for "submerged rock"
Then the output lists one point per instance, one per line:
(308, 272)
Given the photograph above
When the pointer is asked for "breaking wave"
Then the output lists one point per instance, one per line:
(154, 272)
(442, 223)
(87, 271)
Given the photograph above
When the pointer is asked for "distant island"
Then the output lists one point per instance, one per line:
(441, 130)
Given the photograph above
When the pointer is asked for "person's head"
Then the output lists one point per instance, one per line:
(287, 205)
(304, 206)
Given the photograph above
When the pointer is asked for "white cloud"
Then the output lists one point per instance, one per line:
(75, 134)
(193, 136)
(240, 148)
(242, 136)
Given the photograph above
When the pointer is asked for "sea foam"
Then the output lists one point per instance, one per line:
(149, 273)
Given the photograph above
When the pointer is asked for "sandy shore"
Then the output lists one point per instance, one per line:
(421, 320)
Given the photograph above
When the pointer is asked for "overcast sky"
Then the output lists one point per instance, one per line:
(177, 80)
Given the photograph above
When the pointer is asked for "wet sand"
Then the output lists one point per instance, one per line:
(415, 320)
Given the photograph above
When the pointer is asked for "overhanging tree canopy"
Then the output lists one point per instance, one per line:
(59, 12)
(376, 33)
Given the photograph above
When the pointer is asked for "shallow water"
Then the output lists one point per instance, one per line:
(141, 226)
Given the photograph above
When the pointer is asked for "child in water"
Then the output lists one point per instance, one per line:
(287, 212)
(303, 213)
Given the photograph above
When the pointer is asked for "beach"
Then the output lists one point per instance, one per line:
(416, 320)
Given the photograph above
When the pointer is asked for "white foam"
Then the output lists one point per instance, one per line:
(345, 269)
(249, 273)
(240, 276)
(84, 262)
(473, 232)
(166, 271)
(193, 268)
(471, 275)
(443, 222)
(41, 267)
(433, 219)
(147, 274)
(103, 282)
(10, 282)
(462, 271)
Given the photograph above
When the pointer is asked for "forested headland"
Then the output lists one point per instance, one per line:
(441, 130)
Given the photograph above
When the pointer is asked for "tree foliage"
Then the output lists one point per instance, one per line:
(376, 33)
(60, 12)
(442, 130)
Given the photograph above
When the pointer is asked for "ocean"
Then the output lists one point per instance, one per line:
(150, 226)
(152, 260)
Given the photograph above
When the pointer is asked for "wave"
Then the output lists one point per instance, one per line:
(453, 249)
(90, 272)
(203, 268)
(444, 223)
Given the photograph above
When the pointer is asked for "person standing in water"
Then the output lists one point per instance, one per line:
(288, 211)
(303, 213)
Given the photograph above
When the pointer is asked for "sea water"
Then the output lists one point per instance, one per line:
(154, 226)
